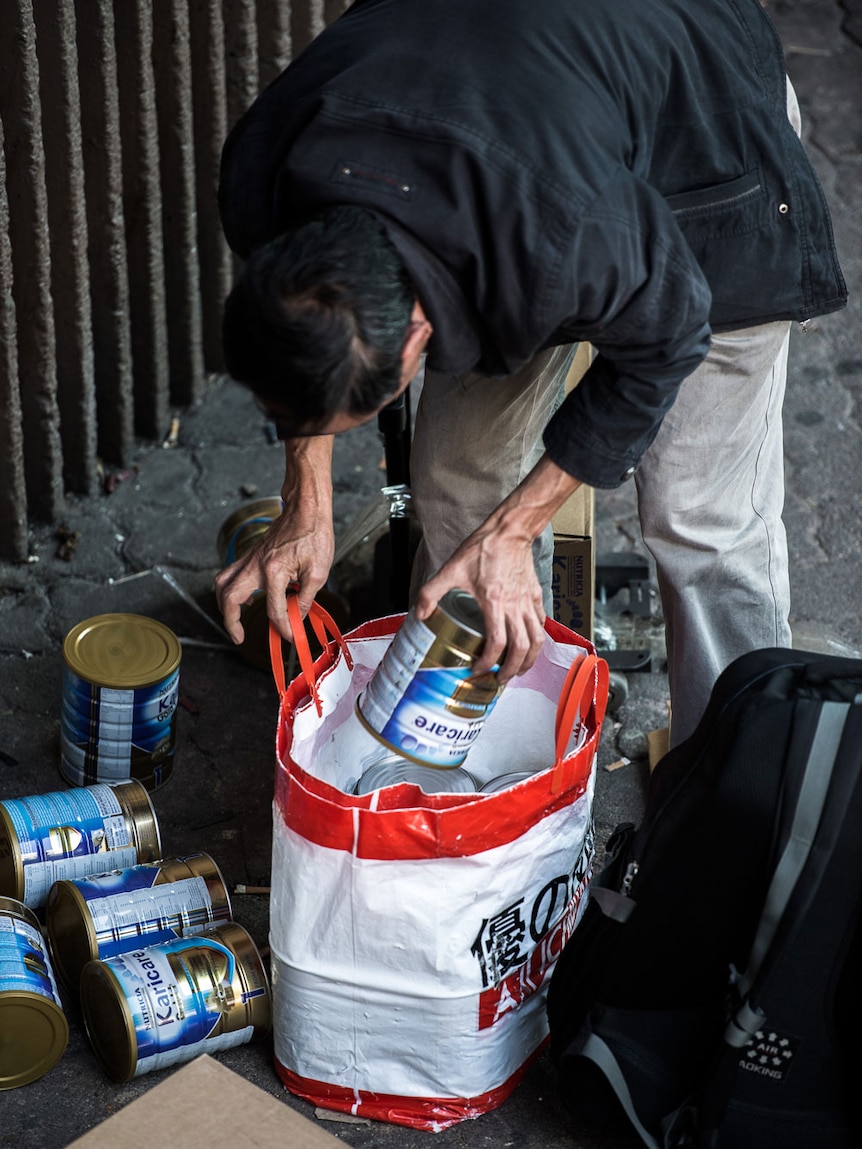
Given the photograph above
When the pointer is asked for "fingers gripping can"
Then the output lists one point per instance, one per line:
(72, 833)
(34, 1031)
(107, 914)
(165, 1004)
(422, 701)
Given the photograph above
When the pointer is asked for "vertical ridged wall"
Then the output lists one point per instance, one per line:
(113, 267)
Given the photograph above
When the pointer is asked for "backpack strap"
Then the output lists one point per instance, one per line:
(784, 906)
(816, 780)
(589, 1045)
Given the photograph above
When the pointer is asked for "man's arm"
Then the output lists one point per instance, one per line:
(298, 547)
(495, 564)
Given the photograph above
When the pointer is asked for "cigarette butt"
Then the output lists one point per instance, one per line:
(173, 434)
(343, 1118)
(620, 762)
(252, 889)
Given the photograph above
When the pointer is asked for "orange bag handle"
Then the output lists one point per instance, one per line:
(325, 628)
(586, 679)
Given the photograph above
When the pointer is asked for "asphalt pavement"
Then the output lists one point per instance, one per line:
(149, 545)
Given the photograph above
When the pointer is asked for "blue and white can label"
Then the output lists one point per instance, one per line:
(178, 1016)
(34, 1031)
(69, 834)
(25, 966)
(108, 734)
(128, 905)
(152, 1008)
(423, 700)
(120, 698)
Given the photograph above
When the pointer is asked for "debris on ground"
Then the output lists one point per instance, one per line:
(68, 540)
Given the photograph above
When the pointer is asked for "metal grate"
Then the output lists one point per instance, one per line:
(113, 267)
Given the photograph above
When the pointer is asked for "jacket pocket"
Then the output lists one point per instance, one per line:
(738, 193)
(727, 211)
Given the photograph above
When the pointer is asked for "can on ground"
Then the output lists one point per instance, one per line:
(90, 919)
(165, 1004)
(120, 694)
(45, 838)
(240, 531)
(245, 526)
(34, 1031)
(392, 769)
(422, 701)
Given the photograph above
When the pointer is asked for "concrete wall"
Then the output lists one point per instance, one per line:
(113, 268)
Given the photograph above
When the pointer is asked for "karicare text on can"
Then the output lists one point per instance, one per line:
(422, 701)
(45, 838)
(156, 1007)
(120, 694)
(94, 918)
(34, 1031)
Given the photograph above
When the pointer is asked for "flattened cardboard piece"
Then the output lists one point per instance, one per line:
(576, 515)
(205, 1105)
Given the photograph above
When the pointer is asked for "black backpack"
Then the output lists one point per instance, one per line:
(712, 991)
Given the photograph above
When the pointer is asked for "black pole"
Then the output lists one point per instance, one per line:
(394, 424)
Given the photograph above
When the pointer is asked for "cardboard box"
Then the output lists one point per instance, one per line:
(572, 582)
(204, 1105)
(576, 515)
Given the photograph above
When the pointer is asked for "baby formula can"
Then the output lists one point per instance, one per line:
(155, 1007)
(45, 838)
(392, 769)
(120, 693)
(421, 700)
(34, 1031)
(240, 531)
(94, 918)
(504, 781)
(244, 527)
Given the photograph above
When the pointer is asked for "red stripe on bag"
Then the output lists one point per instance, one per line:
(405, 823)
(419, 832)
(429, 1113)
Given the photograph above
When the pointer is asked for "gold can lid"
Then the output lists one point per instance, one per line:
(108, 1021)
(124, 651)
(11, 862)
(35, 1036)
(70, 930)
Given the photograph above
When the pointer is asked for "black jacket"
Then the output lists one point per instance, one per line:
(554, 171)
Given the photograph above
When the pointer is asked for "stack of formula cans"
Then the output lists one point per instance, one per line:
(149, 945)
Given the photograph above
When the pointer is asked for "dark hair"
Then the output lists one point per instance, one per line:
(316, 322)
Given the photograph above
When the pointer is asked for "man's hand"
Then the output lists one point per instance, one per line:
(297, 549)
(495, 564)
